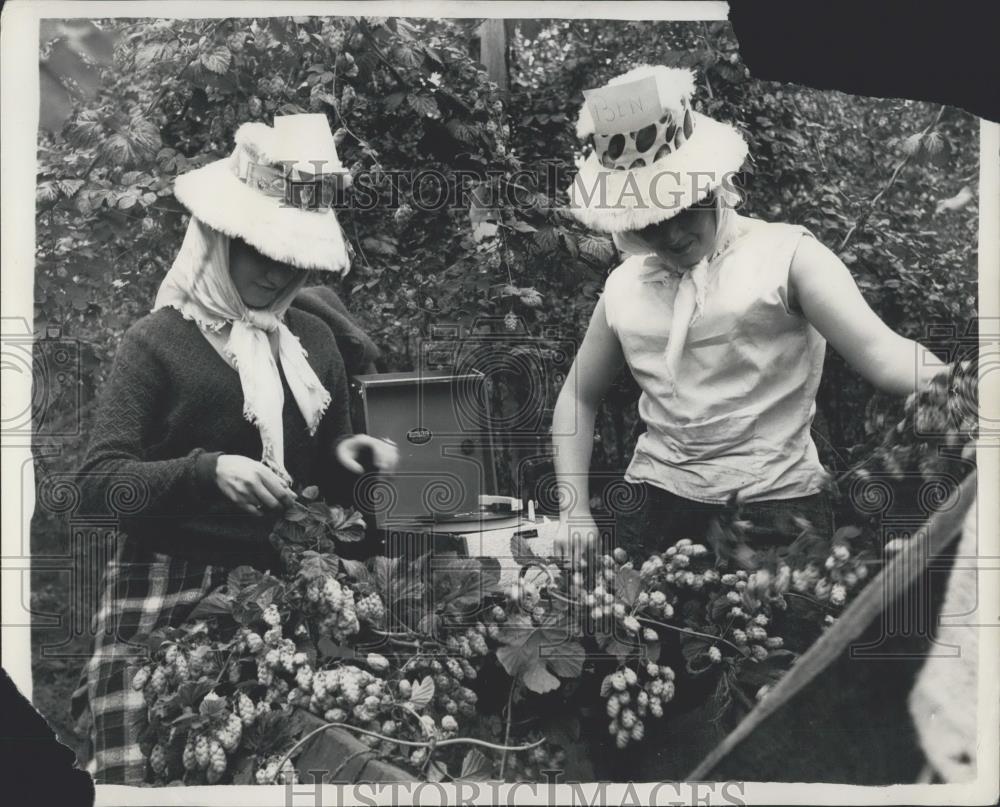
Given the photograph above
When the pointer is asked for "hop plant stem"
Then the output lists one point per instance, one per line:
(410, 743)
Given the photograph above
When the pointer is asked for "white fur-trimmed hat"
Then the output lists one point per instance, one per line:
(637, 176)
(272, 192)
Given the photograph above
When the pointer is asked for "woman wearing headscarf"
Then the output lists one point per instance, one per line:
(722, 319)
(219, 403)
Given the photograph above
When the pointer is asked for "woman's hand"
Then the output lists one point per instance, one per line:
(251, 485)
(576, 536)
(362, 452)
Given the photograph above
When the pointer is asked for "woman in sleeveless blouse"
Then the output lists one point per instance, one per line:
(723, 320)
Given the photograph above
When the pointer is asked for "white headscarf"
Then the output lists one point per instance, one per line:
(689, 301)
(200, 286)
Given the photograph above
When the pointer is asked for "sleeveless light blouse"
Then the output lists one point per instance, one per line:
(739, 416)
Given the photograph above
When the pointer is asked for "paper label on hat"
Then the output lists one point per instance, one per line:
(624, 107)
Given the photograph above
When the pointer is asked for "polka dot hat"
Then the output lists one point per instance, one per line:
(632, 179)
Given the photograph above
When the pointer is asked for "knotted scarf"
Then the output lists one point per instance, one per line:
(200, 286)
(689, 301)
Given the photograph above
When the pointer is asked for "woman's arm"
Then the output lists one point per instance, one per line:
(116, 458)
(595, 367)
(822, 287)
(347, 455)
(336, 483)
(117, 465)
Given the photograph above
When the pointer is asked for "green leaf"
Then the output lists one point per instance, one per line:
(154, 53)
(695, 652)
(330, 649)
(139, 141)
(318, 566)
(86, 130)
(218, 59)
(531, 297)
(296, 513)
(529, 651)
(262, 593)
(422, 693)
(350, 529)
(384, 573)
(463, 582)
(324, 513)
(628, 585)
(46, 192)
(476, 767)
(522, 226)
(535, 677)
(408, 57)
(769, 671)
(483, 230)
(356, 570)
(566, 661)
(69, 186)
(620, 649)
(380, 245)
(522, 552)
(596, 247)
(436, 771)
(463, 131)
(213, 708)
(191, 719)
(429, 625)
(846, 533)
(246, 613)
(191, 693)
(212, 605)
(393, 100)
(424, 105)
(571, 244)
(911, 145)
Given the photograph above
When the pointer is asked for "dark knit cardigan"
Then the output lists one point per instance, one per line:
(170, 407)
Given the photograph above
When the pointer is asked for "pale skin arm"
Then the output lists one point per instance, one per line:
(822, 287)
(597, 364)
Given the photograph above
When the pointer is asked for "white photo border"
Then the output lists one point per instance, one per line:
(19, 37)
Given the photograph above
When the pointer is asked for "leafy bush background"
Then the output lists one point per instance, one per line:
(410, 95)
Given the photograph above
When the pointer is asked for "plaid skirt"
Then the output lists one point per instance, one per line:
(140, 593)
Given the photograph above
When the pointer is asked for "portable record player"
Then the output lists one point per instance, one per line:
(440, 423)
(489, 536)
(442, 495)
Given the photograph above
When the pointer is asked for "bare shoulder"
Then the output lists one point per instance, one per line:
(626, 274)
(812, 256)
(630, 267)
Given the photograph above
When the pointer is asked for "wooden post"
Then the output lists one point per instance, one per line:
(493, 51)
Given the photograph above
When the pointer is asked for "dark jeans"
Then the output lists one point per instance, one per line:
(660, 519)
